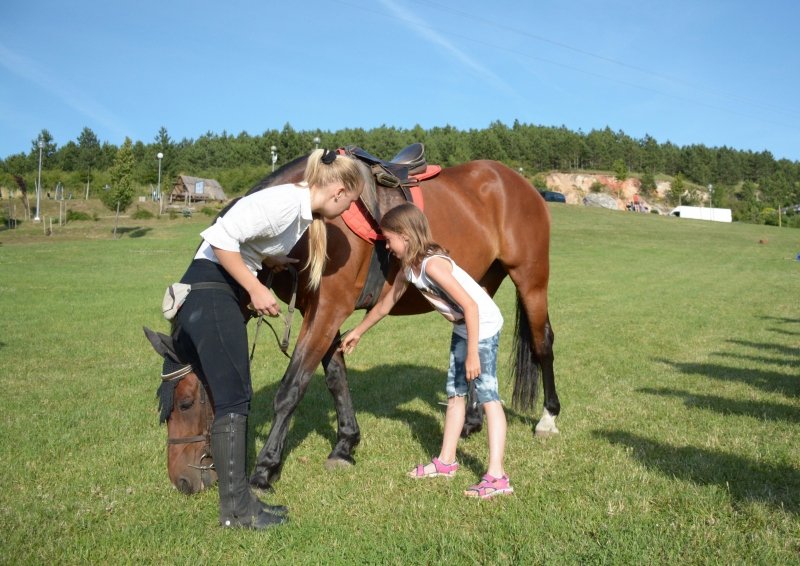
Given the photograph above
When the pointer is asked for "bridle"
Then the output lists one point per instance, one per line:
(208, 417)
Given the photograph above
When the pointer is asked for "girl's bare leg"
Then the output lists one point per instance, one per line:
(453, 423)
(496, 430)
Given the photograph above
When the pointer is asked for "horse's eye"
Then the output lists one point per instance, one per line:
(186, 406)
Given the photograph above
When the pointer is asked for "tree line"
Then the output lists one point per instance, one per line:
(239, 160)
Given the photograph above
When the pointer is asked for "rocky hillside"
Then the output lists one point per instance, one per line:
(575, 186)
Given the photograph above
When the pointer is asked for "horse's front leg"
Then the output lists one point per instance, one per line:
(312, 344)
(348, 434)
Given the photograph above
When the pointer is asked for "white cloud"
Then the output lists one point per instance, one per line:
(422, 29)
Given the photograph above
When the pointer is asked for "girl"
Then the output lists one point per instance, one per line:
(260, 229)
(473, 350)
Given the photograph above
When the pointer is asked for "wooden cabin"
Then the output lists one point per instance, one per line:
(194, 189)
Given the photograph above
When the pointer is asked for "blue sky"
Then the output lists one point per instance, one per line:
(712, 72)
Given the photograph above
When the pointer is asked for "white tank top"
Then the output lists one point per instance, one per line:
(491, 321)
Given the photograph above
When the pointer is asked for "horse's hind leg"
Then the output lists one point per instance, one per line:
(348, 434)
(535, 347)
(552, 407)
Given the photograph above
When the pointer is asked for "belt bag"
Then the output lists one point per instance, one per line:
(177, 292)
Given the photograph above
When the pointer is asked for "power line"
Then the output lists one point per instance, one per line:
(738, 98)
(564, 66)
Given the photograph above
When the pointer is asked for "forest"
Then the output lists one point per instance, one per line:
(753, 184)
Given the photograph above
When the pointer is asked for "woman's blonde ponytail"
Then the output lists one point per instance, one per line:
(342, 169)
(317, 251)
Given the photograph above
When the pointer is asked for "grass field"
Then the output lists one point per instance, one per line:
(677, 363)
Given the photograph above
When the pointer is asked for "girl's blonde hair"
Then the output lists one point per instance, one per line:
(343, 170)
(409, 221)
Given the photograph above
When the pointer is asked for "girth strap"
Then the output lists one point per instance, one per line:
(377, 272)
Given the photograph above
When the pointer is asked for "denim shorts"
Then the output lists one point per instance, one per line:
(486, 382)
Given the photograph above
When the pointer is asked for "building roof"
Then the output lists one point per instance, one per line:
(211, 188)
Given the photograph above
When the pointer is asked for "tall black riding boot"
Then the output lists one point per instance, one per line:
(237, 506)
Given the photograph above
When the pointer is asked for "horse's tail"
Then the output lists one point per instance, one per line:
(524, 362)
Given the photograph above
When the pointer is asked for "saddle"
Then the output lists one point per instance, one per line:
(394, 173)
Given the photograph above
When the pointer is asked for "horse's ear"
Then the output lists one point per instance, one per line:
(155, 341)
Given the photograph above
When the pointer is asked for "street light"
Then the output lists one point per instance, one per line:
(710, 200)
(158, 190)
(273, 151)
(316, 142)
(39, 184)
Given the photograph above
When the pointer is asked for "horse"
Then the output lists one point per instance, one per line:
(493, 222)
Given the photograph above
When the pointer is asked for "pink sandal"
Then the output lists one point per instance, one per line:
(489, 487)
(446, 470)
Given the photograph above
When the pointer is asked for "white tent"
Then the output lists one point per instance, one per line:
(702, 213)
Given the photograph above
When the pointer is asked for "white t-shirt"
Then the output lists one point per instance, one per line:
(491, 321)
(267, 223)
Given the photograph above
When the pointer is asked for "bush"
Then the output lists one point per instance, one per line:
(142, 214)
(208, 211)
(769, 216)
(540, 182)
(173, 215)
(597, 187)
(77, 215)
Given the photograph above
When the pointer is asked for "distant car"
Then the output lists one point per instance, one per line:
(551, 196)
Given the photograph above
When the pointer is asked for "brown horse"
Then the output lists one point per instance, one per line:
(493, 222)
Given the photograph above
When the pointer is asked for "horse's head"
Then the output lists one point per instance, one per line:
(189, 413)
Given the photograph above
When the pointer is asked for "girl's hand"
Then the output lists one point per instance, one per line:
(278, 264)
(262, 301)
(473, 366)
(349, 343)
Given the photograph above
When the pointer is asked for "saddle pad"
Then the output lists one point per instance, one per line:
(363, 224)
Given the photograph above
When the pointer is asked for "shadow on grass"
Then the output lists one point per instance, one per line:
(775, 412)
(781, 319)
(770, 381)
(784, 332)
(134, 231)
(785, 350)
(761, 359)
(746, 480)
(383, 391)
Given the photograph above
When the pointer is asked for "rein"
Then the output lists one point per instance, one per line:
(287, 320)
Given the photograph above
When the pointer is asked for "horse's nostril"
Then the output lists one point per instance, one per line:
(185, 486)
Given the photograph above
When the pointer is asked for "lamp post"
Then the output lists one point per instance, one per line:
(273, 151)
(316, 142)
(711, 200)
(39, 184)
(158, 190)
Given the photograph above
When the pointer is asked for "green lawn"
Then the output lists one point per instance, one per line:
(677, 357)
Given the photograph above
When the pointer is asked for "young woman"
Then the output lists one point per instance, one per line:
(260, 229)
(473, 349)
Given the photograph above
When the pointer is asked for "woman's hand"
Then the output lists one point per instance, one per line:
(262, 301)
(278, 264)
(472, 365)
(349, 343)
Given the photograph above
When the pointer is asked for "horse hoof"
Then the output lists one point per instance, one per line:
(335, 463)
(546, 425)
(260, 482)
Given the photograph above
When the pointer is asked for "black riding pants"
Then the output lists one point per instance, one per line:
(214, 333)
